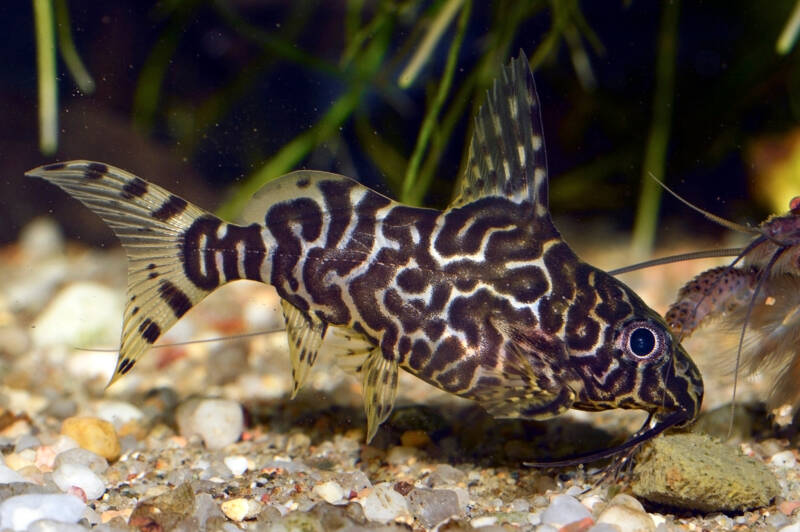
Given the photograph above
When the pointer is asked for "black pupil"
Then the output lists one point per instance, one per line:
(642, 342)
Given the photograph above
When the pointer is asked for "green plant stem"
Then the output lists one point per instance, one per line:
(790, 31)
(434, 34)
(46, 72)
(412, 193)
(66, 45)
(644, 228)
(151, 77)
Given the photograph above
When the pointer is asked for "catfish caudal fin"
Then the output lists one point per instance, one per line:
(173, 248)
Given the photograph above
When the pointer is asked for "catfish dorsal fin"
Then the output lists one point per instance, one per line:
(506, 154)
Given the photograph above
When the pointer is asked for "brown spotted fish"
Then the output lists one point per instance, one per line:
(484, 300)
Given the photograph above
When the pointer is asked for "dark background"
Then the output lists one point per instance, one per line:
(227, 104)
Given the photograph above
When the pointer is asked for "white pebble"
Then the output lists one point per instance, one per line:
(794, 527)
(51, 525)
(563, 510)
(219, 422)
(330, 492)
(18, 512)
(627, 519)
(240, 509)
(81, 456)
(41, 238)
(604, 527)
(8, 475)
(784, 460)
(237, 464)
(384, 504)
(69, 475)
(486, 520)
(117, 412)
(81, 314)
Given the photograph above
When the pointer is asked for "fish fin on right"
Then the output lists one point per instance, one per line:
(150, 223)
(305, 333)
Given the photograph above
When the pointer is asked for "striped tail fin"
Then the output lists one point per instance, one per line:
(172, 248)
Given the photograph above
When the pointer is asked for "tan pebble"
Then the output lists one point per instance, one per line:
(788, 507)
(16, 429)
(17, 461)
(627, 519)
(93, 434)
(108, 515)
(133, 428)
(240, 509)
(415, 438)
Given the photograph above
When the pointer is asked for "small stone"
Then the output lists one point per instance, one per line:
(415, 438)
(83, 313)
(383, 504)
(297, 443)
(51, 525)
(788, 507)
(400, 455)
(75, 475)
(237, 464)
(41, 238)
(483, 521)
(432, 507)
(219, 422)
(563, 510)
(206, 508)
(240, 509)
(93, 434)
(626, 518)
(606, 527)
(339, 517)
(8, 475)
(784, 460)
(165, 511)
(18, 512)
(695, 472)
(80, 456)
(446, 475)
(330, 492)
(118, 413)
(794, 527)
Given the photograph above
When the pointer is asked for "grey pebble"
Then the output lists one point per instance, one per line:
(219, 422)
(446, 475)
(432, 507)
(79, 456)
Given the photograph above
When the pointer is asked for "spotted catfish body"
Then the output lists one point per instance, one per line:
(483, 300)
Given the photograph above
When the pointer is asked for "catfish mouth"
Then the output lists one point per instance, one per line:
(679, 404)
(657, 426)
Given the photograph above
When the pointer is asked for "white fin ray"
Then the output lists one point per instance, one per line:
(305, 333)
(350, 349)
(158, 291)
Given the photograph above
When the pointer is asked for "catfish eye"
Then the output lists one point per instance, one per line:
(642, 342)
(643, 339)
